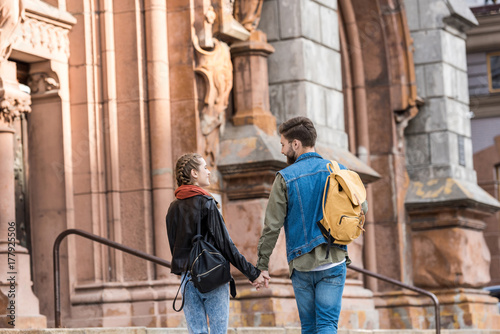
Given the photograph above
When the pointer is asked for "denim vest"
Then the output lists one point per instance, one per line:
(305, 181)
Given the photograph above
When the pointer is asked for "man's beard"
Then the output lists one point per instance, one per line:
(290, 156)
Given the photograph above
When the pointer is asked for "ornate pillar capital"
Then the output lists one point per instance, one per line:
(13, 101)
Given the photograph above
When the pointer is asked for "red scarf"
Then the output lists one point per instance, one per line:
(188, 190)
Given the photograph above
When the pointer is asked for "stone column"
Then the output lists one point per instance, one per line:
(19, 306)
(445, 205)
(250, 90)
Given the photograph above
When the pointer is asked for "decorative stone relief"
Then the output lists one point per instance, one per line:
(38, 34)
(248, 12)
(12, 106)
(41, 83)
(11, 13)
(13, 101)
(216, 69)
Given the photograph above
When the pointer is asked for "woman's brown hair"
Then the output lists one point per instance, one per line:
(185, 164)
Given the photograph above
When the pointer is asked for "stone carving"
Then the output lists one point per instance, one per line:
(11, 13)
(12, 105)
(402, 117)
(41, 83)
(247, 12)
(216, 69)
(42, 35)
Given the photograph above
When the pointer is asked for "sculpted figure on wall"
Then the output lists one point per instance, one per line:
(248, 12)
(41, 83)
(10, 16)
(216, 69)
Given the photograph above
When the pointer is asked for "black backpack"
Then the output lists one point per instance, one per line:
(208, 267)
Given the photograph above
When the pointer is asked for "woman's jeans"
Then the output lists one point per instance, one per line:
(319, 298)
(214, 304)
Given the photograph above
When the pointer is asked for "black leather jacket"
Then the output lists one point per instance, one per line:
(182, 217)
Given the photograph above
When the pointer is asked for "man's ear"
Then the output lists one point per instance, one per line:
(296, 144)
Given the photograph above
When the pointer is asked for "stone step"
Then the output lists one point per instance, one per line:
(239, 330)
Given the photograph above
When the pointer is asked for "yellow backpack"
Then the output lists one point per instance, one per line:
(343, 217)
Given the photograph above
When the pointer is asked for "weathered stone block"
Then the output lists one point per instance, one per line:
(454, 51)
(328, 3)
(310, 21)
(334, 109)
(276, 103)
(417, 149)
(421, 80)
(327, 136)
(328, 74)
(330, 28)
(432, 13)
(295, 99)
(269, 20)
(457, 119)
(412, 14)
(431, 117)
(290, 18)
(452, 257)
(430, 46)
(444, 148)
(287, 62)
(435, 75)
(315, 100)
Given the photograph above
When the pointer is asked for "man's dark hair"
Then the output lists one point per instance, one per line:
(300, 128)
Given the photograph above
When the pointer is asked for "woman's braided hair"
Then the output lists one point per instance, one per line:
(185, 164)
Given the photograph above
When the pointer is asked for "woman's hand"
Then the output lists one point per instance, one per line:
(262, 280)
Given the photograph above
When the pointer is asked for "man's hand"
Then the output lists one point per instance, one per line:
(262, 280)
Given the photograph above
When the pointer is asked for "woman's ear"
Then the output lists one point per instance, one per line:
(194, 174)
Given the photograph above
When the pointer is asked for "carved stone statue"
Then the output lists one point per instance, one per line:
(247, 12)
(216, 69)
(10, 16)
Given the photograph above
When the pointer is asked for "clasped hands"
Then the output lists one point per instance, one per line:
(262, 280)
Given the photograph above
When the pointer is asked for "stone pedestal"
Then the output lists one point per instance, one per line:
(273, 307)
(450, 257)
(459, 308)
(251, 90)
(358, 306)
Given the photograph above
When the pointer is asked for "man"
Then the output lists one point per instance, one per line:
(318, 272)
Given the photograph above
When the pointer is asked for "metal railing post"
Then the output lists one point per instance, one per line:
(107, 242)
(406, 286)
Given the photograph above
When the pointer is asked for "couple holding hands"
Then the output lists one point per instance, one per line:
(317, 271)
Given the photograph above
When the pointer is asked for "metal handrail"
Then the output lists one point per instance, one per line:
(406, 286)
(160, 261)
(57, 280)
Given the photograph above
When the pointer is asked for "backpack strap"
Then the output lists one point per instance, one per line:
(331, 167)
(183, 293)
(335, 168)
(232, 287)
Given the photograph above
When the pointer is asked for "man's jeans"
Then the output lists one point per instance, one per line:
(214, 304)
(319, 297)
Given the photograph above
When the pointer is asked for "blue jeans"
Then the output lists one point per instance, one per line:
(214, 304)
(319, 298)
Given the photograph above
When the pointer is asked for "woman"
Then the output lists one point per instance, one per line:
(195, 205)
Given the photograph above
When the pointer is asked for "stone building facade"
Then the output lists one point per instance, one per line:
(482, 51)
(100, 97)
